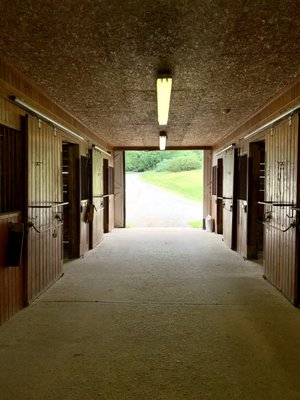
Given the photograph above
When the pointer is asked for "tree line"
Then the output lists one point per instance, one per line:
(169, 160)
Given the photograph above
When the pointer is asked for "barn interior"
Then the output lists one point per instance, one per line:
(78, 88)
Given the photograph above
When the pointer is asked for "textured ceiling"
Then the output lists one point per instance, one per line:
(99, 60)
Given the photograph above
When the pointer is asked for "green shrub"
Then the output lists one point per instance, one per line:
(184, 164)
(162, 166)
(139, 161)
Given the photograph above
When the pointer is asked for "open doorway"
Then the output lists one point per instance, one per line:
(240, 178)
(71, 198)
(219, 196)
(164, 188)
(256, 200)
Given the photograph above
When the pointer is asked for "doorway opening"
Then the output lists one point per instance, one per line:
(256, 214)
(240, 198)
(164, 188)
(71, 196)
(219, 196)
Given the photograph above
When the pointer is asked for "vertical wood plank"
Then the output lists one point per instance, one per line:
(281, 188)
(45, 255)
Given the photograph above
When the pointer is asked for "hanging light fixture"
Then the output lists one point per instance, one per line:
(41, 115)
(164, 87)
(102, 151)
(162, 140)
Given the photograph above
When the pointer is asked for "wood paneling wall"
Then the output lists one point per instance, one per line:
(280, 249)
(281, 188)
(44, 212)
(44, 175)
(11, 278)
(283, 101)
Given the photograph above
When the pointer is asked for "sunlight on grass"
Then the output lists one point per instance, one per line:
(195, 224)
(187, 184)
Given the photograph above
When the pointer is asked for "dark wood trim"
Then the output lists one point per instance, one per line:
(25, 132)
(297, 271)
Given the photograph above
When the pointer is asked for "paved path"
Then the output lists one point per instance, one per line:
(149, 206)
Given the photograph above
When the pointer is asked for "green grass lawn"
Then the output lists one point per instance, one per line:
(187, 184)
(195, 224)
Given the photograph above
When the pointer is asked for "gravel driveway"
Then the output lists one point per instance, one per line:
(149, 206)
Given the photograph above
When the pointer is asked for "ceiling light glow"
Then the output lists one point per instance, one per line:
(162, 140)
(164, 87)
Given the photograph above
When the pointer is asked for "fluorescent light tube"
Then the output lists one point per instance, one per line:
(164, 87)
(162, 141)
(102, 151)
(28, 107)
(231, 146)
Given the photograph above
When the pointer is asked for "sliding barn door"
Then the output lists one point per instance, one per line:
(45, 206)
(97, 198)
(228, 197)
(119, 184)
(280, 197)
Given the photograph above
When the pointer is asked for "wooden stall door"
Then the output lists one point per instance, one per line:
(97, 198)
(280, 197)
(11, 205)
(45, 206)
(228, 198)
(119, 185)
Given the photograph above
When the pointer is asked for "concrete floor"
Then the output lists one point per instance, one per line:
(154, 314)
